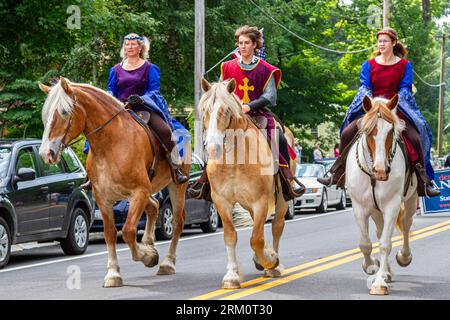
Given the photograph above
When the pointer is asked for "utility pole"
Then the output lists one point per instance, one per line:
(441, 98)
(386, 5)
(199, 71)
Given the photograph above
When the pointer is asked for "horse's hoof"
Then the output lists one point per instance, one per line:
(150, 261)
(373, 268)
(402, 262)
(274, 273)
(166, 270)
(113, 282)
(379, 290)
(231, 284)
(257, 265)
(275, 265)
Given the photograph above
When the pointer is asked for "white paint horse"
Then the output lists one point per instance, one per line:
(243, 173)
(385, 202)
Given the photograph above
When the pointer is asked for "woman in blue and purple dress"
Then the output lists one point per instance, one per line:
(137, 81)
(388, 73)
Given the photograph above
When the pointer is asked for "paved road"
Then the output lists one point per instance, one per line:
(319, 253)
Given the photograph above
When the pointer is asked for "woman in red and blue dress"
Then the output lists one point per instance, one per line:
(388, 73)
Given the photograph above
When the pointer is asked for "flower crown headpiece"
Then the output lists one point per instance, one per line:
(133, 37)
(387, 32)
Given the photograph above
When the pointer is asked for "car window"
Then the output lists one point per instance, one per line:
(5, 155)
(195, 166)
(52, 168)
(309, 171)
(70, 160)
(27, 159)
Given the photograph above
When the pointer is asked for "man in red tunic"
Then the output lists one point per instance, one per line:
(256, 85)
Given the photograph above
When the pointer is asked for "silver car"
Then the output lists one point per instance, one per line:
(317, 195)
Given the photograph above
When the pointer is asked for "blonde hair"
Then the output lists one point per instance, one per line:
(399, 48)
(144, 43)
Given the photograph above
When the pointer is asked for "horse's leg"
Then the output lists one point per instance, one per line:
(265, 256)
(379, 285)
(233, 278)
(277, 230)
(377, 217)
(404, 256)
(177, 198)
(149, 233)
(113, 277)
(148, 239)
(370, 266)
(139, 200)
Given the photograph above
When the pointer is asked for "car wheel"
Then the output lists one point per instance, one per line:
(324, 204)
(5, 243)
(78, 235)
(165, 232)
(213, 220)
(290, 213)
(343, 204)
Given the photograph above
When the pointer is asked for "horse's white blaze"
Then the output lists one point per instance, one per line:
(383, 128)
(214, 137)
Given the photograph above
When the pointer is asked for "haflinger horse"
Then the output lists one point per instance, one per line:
(118, 163)
(378, 186)
(241, 170)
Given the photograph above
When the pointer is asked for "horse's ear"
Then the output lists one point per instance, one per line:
(393, 102)
(205, 85)
(367, 104)
(45, 89)
(65, 85)
(231, 85)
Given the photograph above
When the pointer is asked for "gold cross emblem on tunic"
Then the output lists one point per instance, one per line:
(246, 89)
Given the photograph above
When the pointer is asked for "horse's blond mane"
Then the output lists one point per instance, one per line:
(59, 100)
(380, 109)
(218, 96)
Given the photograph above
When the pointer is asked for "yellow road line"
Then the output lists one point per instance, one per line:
(246, 284)
(324, 267)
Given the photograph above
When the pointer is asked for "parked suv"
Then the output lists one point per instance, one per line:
(40, 202)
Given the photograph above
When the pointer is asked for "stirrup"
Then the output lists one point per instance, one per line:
(322, 180)
(204, 193)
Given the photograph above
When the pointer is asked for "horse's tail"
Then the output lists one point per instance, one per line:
(400, 219)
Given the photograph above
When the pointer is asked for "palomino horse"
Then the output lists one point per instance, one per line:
(117, 165)
(242, 174)
(376, 181)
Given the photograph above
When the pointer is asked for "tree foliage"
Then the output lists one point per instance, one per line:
(317, 85)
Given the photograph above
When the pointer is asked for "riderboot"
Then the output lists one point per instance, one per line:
(289, 191)
(204, 192)
(177, 175)
(424, 185)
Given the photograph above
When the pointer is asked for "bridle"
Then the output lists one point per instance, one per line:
(368, 171)
(65, 144)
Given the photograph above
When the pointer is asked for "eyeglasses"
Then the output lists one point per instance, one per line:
(384, 41)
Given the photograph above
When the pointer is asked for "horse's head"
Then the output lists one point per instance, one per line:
(218, 107)
(63, 122)
(381, 126)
